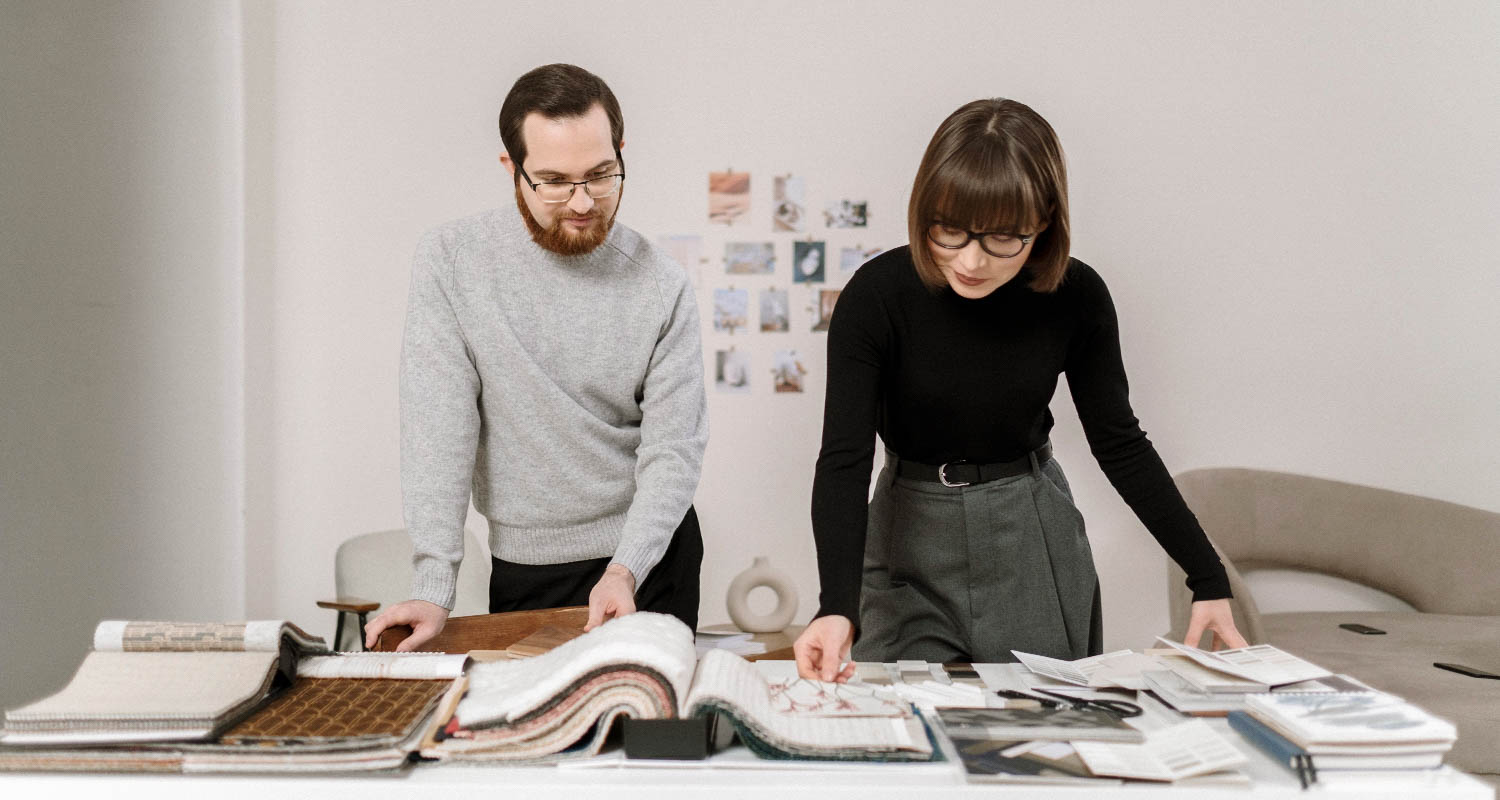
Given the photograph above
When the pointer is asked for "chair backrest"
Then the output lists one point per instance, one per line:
(377, 566)
(1439, 557)
(488, 631)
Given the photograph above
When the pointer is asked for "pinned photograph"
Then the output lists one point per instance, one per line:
(852, 258)
(749, 258)
(775, 308)
(732, 371)
(789, 204)
(807, 262)
(827, 299)
(728, 196)
(787, 371)
(846, 214)
(686, 250)
(731, 309)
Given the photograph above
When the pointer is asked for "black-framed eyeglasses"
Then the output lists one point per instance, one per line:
(997, 243)
(562, 191)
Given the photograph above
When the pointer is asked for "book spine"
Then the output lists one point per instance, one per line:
(1283, 750)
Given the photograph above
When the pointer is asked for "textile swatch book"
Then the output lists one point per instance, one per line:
(163, 697)
(644, 666)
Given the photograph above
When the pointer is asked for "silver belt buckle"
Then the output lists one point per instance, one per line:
(943, 475)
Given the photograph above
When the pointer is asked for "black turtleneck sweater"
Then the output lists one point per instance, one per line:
(942, 378)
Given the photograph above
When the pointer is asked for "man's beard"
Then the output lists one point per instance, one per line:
(562, 238)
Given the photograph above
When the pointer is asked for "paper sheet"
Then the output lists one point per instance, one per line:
(409, 666)
(1262, 662)
(1168, 754)
(1121, 668)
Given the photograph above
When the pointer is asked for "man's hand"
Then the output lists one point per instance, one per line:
(613, 596)
(1214, 615)
(426, 621)
(822, 651)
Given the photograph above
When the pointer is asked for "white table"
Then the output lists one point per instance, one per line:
(736, 774)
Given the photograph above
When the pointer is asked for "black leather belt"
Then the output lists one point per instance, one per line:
(965, 473)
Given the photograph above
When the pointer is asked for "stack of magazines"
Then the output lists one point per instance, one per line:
(1343, 730)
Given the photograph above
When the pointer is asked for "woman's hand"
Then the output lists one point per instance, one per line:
(1213, 615)
(822, 650)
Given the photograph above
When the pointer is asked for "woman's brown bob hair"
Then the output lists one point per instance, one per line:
(994, 165)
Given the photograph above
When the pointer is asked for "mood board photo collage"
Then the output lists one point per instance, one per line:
(768, 274)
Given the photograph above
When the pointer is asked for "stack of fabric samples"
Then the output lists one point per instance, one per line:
(228, 697)
(164, 681)
(562, 704)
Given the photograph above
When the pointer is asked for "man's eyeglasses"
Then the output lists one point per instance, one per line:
(997, 244)
(562, 191)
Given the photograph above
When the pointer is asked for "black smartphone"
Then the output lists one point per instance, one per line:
(1358, 628)
(1463, 670)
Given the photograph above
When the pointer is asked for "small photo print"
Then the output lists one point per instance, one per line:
(749, 258)
(728, 196)
(787, 371)
(789, 204)
(686, 250)
(807, 262)
(731, 309)
(827, 299)
(852, 258)
(774, 311)
(732, 371)
(846, 214)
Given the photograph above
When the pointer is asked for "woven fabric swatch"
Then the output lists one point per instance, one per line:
(317, 709)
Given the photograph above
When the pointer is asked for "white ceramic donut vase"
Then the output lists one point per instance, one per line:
(761, 573)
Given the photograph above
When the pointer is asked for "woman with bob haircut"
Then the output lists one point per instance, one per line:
(950, 349)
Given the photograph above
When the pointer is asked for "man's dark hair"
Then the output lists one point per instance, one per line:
(556, 91)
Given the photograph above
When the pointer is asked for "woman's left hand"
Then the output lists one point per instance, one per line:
(1214, 615)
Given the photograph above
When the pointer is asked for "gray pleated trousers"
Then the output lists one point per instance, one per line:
(971, 573)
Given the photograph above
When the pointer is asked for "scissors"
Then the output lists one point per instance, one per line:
(1119, 709)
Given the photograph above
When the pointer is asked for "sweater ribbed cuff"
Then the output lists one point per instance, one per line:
(434, 581)
(638, 557)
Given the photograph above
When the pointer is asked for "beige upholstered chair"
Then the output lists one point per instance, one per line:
(1440, 558)
(373, 570)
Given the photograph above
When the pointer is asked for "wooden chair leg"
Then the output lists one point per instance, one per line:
(362, 631)
(338, 632)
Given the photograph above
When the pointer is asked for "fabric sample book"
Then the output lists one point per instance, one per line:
(644, 666)
(340, 713)
(164, 681)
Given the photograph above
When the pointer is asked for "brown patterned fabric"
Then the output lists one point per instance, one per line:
(183, 636)
(327, 708)
(124, 759)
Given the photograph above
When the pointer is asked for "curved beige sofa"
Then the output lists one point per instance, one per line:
(1441, 558)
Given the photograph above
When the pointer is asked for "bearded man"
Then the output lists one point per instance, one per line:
(552, 368)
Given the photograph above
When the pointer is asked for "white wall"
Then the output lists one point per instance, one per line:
(120, 432)
(1293, 203)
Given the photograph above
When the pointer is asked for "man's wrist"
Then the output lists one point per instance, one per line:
(621, 571)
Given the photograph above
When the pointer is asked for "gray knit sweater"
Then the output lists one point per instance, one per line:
(566, 391)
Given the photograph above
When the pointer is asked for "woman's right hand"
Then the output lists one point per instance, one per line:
(822, 651)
